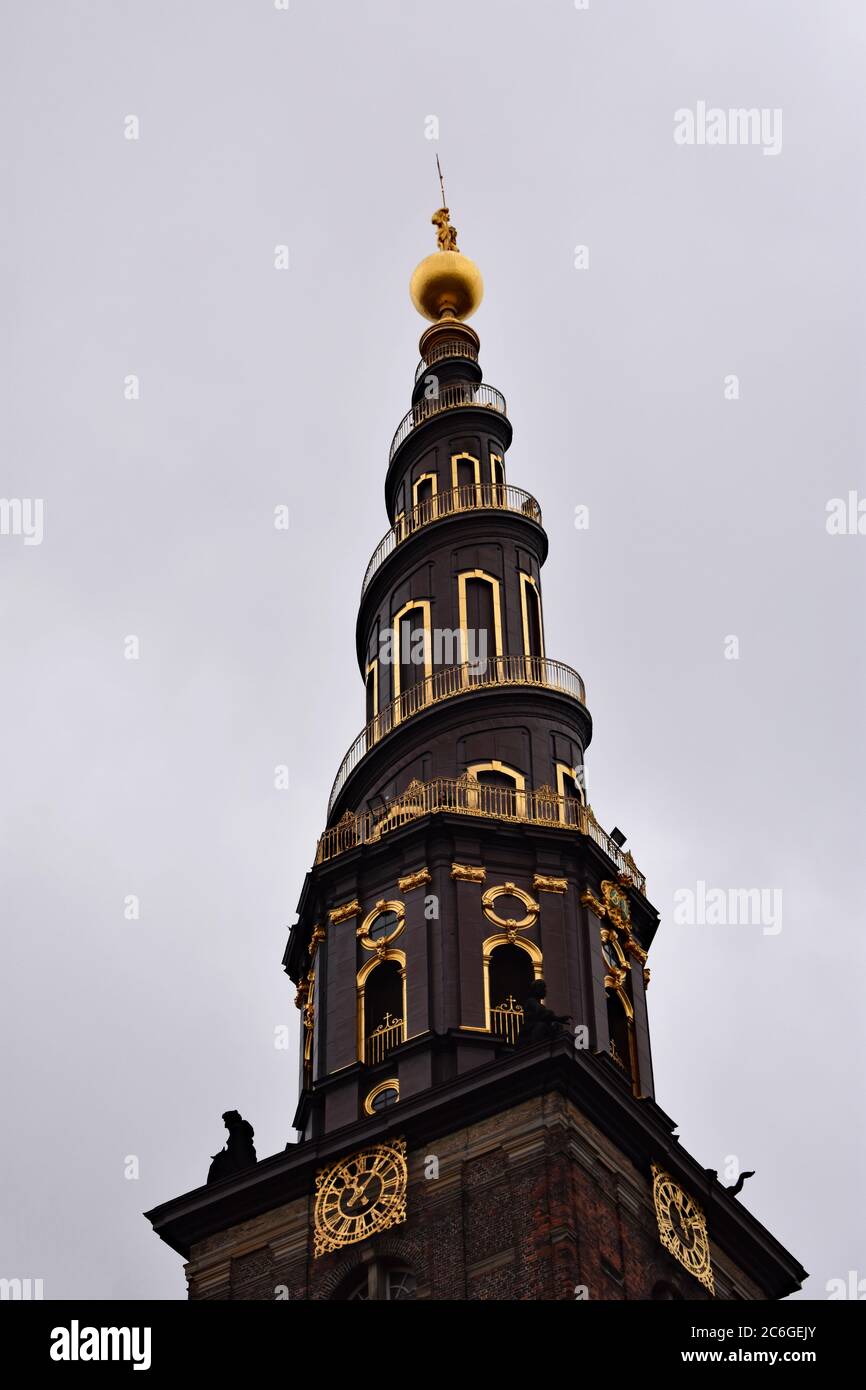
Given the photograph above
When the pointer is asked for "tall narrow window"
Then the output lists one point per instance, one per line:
(511, 975)
(381, 1008)
(533, 639)
(479, 631)
(620, 1035)
(480, 625)
(412, 657)
(423, 492)
(497, 479)
(412, 639)
(372, 688)
(511, 964)
(466, 479)
(620, 1007)
(501, 789)
(569, 785)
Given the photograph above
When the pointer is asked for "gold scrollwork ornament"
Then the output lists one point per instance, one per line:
(416, 880)
(509, 890)
(468, 873)
(358, 1196)
(545, 884)
(384, 906)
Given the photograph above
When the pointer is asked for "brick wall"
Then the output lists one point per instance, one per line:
(533, 1203)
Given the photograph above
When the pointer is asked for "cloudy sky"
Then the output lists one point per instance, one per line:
(153, 258)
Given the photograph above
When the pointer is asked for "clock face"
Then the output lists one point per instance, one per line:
(360, 1195)
(682, 1227)
(617, 903)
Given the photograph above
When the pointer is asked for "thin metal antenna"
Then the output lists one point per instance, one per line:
(441, 181)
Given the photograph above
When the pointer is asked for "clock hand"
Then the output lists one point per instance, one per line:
(360, 1192)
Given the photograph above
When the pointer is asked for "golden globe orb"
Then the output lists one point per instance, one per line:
(446, 285)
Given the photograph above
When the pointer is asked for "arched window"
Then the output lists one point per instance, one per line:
(507, 979)
(400, 1284)
(511, 975)
(381, 1007)
(466, 479)
(533, 635)
(386, 1094)
(424, 491)
(381, 1282)
(497, 479)
(412, 656)
(505, 788)
(620, 1034)
(620, 1009)
(480, 610)
(569, 785)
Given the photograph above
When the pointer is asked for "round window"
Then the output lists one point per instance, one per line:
(510, 907)
(386, 921)
(384, 925)
(385, 1094)
(385, 1098)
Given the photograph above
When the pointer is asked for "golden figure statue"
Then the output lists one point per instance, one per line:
(446, 235)
(446, 287)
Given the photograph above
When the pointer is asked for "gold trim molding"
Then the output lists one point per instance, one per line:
(468, 873)
(589, 899)
(509, 890)
(343, 913)
(392, 1084)
(610, 911)
(545, 884)
(416, 880)
(379, 943)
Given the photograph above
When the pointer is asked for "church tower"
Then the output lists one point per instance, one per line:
(477, 1112)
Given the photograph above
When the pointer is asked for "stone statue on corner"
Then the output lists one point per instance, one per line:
(239, 1152)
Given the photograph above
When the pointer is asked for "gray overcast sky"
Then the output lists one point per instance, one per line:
(259, 387)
